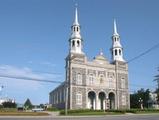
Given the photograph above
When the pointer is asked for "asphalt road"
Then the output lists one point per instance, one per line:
(121, 117)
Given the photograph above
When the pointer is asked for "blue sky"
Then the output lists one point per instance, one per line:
(34, 40)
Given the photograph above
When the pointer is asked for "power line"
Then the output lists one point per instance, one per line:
(58, 82)
(144, 53)
(53, 81)
(44, 72)
(30, 79)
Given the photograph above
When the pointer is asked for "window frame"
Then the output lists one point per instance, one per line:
(91, 79)
(123, 83)
(78, 98)
(79, 79)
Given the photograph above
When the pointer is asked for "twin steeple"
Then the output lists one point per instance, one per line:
(117, 50)
(76, 39)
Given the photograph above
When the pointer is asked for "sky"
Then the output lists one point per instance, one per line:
(34, 43)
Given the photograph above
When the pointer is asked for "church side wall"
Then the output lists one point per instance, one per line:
(57, 97)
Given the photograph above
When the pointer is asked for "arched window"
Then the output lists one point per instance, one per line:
(79, 79)
(73, 43)
(115, 51)
(101, 79)
(111, 82)
(74, 29)
(119, 52)
(77, 29)
(115, 39)
(91, 79)
(78, 43)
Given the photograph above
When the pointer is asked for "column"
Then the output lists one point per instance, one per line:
(96, 102)
(104, 104)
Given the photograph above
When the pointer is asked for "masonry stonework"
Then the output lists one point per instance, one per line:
(93, 84)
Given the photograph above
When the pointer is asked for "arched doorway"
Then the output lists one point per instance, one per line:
(111, 100)
(102, 97)
(91, 100)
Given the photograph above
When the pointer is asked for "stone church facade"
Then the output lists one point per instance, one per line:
(97, 84)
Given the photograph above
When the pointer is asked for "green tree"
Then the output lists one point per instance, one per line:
(134, 98)
(9, 105)
(28, 104)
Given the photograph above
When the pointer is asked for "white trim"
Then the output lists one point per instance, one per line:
(78, 99)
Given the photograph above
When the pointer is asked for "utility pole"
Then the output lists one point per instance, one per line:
(157, 79)
(66, 99)
(1, 88)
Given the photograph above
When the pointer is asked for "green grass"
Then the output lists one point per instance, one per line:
(84, 112)
(94, 113)
(14, 112)
(91, 112)
(8, 109)
(23, 114)
(146, 112)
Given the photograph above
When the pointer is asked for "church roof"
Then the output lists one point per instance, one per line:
(100, 58)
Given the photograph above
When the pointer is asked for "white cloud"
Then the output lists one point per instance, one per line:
(22, 82)
(19, 73)
(48, 64)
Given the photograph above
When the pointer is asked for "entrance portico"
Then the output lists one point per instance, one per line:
(101, 100)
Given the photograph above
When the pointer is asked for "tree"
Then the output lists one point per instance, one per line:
(41, 105)
(9, 105)
(28, 104)
(139, 95)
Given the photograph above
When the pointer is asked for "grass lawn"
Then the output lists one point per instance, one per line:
(83, 112)
(23, 114)
(147, 112)
(94, 113)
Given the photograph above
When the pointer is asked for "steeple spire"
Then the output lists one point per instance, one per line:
(76, 16)
(117, 49)
(76, 39)
(115, 28)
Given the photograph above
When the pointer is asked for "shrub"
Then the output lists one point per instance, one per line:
(62, 112)
(117, 111)
(9, 105)
(52, 109)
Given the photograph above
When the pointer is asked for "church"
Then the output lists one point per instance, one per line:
(98, 84)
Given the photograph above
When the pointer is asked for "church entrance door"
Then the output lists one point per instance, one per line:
(91, 100)
(112, 100)
(102, 97)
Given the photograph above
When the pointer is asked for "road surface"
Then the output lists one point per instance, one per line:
(115, 117)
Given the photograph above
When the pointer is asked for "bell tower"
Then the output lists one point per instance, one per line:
(76, 39)
(117, 49)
